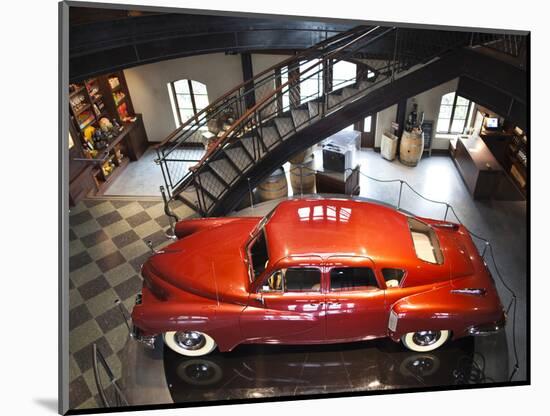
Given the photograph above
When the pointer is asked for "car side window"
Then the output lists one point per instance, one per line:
(393, 277)
(352, 278)
(294, 279)
(302, 279)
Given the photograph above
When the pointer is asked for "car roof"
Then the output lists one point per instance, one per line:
(339, 227)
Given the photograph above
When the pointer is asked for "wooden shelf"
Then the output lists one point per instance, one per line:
(83, 126)
(72, 94)
(81, 110)
(114, 174)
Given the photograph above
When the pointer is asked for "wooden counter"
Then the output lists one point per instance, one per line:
(478, 167)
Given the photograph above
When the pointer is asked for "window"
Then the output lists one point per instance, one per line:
(286, 94)
(311, 82)
(307, 279)
(259, 255)
(294, 279)
(426, 244)
(188, 98)
(453, 113)
(352, 278)
(343, 73)
(393, 277)
(367, 124)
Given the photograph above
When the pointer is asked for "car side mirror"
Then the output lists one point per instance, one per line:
(260, 299)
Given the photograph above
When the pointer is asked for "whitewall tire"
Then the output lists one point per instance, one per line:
(423, 341)
(189, 343)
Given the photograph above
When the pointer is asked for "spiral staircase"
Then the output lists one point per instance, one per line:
(268, 120)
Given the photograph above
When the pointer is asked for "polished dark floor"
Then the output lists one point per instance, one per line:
(253, 371)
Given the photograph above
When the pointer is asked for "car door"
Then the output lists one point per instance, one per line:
(288, 308)
(355, 300)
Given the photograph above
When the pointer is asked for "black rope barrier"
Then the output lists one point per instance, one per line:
(488, 246)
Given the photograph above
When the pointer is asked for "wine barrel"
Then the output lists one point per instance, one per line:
(302, 177)
(411, 148)
(301, 156)
(274, 187)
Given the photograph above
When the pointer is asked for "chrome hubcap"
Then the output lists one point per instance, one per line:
(190, 340)
(425, 338)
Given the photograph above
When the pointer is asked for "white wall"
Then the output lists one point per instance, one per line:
(219, 72)
(147, 85)
(262, 61)
(384, 119)
(428, 102)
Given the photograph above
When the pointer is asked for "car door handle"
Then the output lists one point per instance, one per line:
(315, 303)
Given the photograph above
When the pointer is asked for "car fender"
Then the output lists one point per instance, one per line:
(185, 228)
(441, 309)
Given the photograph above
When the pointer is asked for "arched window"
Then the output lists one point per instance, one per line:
(188, 98)
(454, 111)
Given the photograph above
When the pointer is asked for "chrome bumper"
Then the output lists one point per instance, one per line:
(487, 329)
(147, 340)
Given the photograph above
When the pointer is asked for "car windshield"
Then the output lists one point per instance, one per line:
(258, 255)
(257, 248)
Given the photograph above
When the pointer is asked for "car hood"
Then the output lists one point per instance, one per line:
(209, 263)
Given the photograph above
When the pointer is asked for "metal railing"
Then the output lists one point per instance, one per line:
(487, 251)
(509, 44)
(232, 105)
(327, 99)
(110, 395)
(409, 48)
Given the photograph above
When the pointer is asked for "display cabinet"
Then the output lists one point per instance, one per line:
(106, 133)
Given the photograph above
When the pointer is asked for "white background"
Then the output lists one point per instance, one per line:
(28, 135)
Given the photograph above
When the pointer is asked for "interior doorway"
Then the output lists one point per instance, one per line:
(367, 127)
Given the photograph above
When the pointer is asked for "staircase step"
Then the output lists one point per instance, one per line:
(224, 169)
(239, 157)
(334, 100)
(284, 126)
(270, 136)
(314, 108)
(300, 118)
(250, 142)
(211, 184)
(190, 194)
(348, 92)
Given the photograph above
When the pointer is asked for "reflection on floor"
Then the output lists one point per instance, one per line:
(267, 371)
(258, 371)
(108, 244)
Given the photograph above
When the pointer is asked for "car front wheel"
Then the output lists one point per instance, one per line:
(423, 341)
(189, 343)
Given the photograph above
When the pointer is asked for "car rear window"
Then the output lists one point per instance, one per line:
(425, 241)
(392, 276)
(352, 278)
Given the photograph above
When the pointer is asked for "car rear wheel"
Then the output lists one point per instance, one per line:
(423, 341)
(189, 343)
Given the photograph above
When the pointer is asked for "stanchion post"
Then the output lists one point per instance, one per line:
(446, 212)
(250, 193)
(400, 191)
(485, 250)
(301, 180)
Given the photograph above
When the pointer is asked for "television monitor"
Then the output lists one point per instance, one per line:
(491, 123)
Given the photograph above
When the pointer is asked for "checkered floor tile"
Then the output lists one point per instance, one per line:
(107, 248)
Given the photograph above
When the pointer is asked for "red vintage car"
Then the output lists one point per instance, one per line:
(316, 271)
